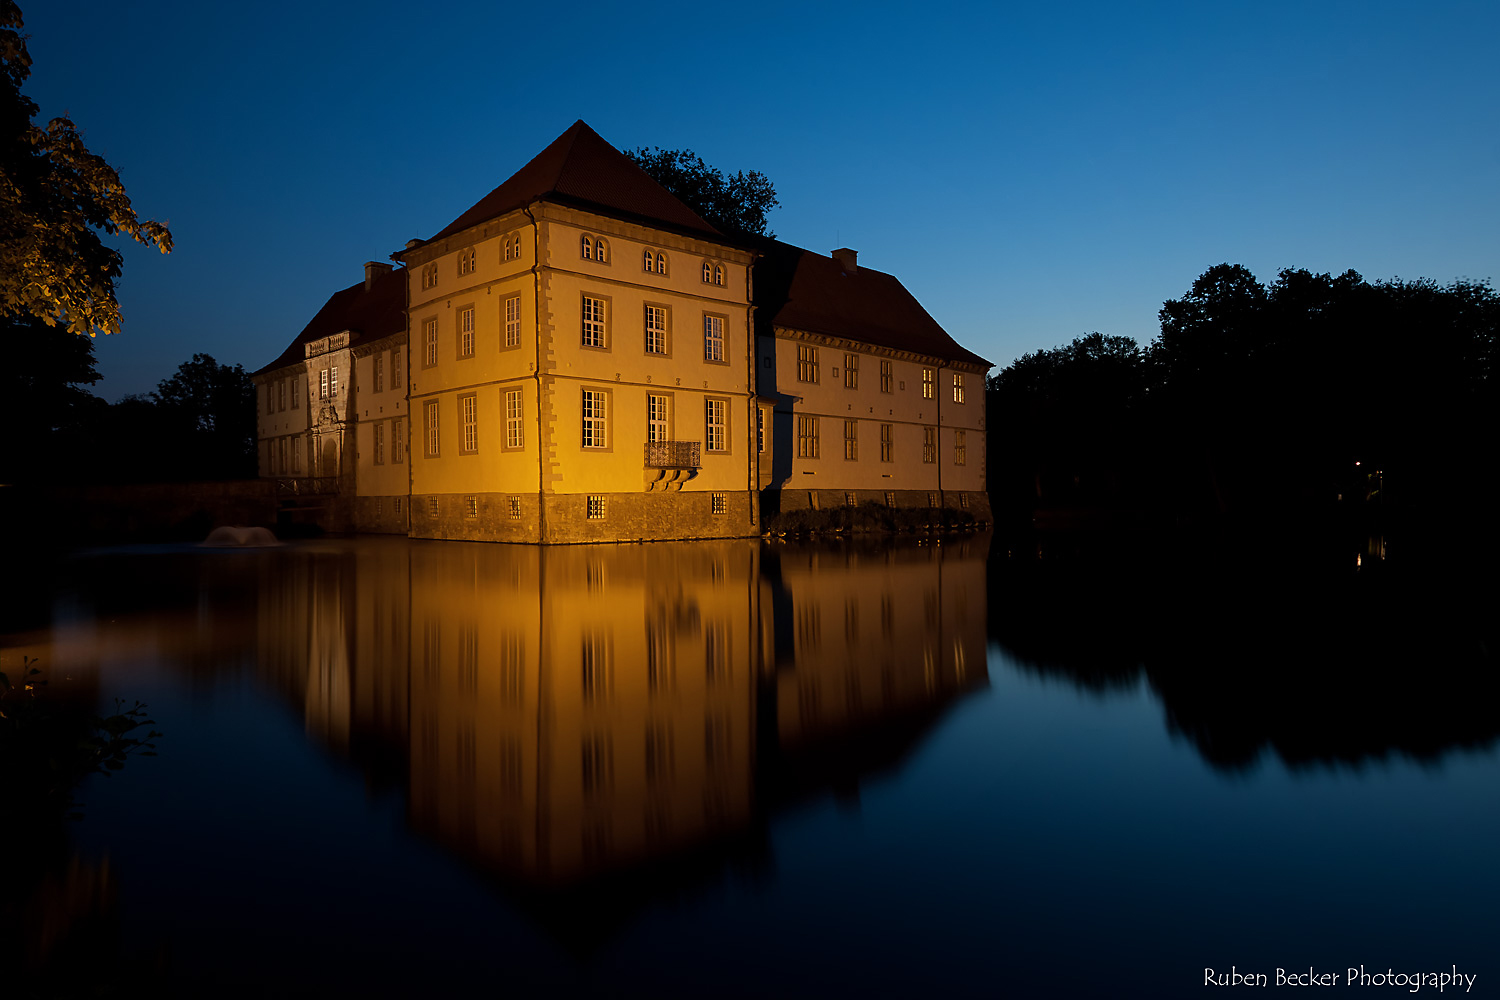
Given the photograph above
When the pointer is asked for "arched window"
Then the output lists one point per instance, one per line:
(588, 247)
(718, 274)
(661, 263)
(708, 271)
(601, 251)
(648, 261)
(505, 250)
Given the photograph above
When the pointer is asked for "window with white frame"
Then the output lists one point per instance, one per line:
(379, 429)
(713, 338)
(594, 330)
(656, 329)
(887, 443)
(379, 372)
(851, 440)
(958, 388)
(468, 418)
(807, 437)
(593, 248)
(928, 381)
(708, 272)
(296, 392)
(466, 261)
(513, 321)
(396, 382)
(929, 444)
(596, 506)
(515, 436)
(281, 394)
(466, 332)
(430, 413)
(658, 427)
(807, 363)
(886, 376)
(586, 247)
(595, 418)
(430, 341)
(333, 383)
(718, 274)
(851, 371)
(398, 440)
(430, 276)
(322, 384)
(716, 431)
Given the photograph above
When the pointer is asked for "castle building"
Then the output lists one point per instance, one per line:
(580, 357)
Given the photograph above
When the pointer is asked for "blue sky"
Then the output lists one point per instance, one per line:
(1031, 172)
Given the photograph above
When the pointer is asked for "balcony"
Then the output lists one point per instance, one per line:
(673, 455)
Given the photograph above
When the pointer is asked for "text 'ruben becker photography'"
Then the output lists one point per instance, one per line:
(1410, 981)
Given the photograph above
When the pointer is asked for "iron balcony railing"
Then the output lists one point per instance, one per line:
(673, 455)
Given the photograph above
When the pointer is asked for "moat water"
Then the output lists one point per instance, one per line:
(966, 768)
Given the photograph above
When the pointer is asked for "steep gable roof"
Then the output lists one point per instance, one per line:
(580, 168)
(802, 290)
(367, 315)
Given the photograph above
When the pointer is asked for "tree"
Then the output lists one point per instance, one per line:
(735, 204)
(42, 395)
(209, 409)
(56, 197)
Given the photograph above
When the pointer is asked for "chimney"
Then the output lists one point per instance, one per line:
(373, 270)
(847, 259)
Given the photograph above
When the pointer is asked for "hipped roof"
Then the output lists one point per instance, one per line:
(367, 315)
(581, 169)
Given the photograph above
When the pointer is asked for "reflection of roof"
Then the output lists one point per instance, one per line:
(802, 290)
(367, 315)
(581, 168)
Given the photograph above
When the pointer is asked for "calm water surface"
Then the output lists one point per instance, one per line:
(402, 768)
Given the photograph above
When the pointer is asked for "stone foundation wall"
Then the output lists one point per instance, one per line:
(564, 518)
(382, 515)
(975, 503)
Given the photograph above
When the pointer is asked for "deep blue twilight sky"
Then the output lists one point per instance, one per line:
(1032, 172)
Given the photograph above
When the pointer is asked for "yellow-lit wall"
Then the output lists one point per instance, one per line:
(381, 473)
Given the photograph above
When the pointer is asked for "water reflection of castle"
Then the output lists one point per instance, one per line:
(563, 713)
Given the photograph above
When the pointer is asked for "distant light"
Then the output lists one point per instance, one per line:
(1356, 463)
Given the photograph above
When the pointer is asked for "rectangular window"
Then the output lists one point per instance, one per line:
(851, 440)
(656, 329)
(887, 443)
(890, 500)
(515, 436)
(760, 430)
(430, 410)
(270, 399)
(466, 332)
(929, 444)
(281, 394)
(657, 428)
(807, 363)
(429, 341)
(594, 330)
(595, 419)
(958, 388)
(713, 338)
(807, 437)
(380, 372)
(719, 503)
(297, 392)
(886, 376)
(379, 444)
(323, 384)
(398, 440)
(297, 456)
(849, 499)
(960, 448)
(596, 506)
(471, 509)
(396, 382)
(717, 429)
(433, 507)
(333, 383)
(515, 508)
(513, 321)
(928, 381)
(851, 371)
(468, 412)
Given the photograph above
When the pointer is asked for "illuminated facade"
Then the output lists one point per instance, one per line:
(580, 357)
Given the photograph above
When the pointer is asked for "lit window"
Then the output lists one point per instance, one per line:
(586, 247)
(514, 433)
(807, 437)
(890, 501)
(656, 329)
(648, 260)
(596, 511)
(333, 383)
(807, 363)
(929, 444)
(717, 431)
(513, 321)
(601, 252)
(657, 428)
(466, 261)
(594, 330)
(718, 274)
(851, 371)
(960, 448)
(713, 338)
(719, 503)
(380, 372)
(323, 384)
(430, 411)
(958, 388)
(515, 512)
(466, 332)
(471, 509)
(429, 341)
(595, 419)
(851, 440)
(928, 377)
(708, 271)
(885, 376)
(887, 443)
(760, 429)
(468, 409)
(849, 499)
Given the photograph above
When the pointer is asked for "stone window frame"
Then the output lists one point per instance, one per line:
(958, 387)
(851, 440)
(429, 276)
(432, 429)
(467, 309)
(666, 333)
(653, 261)
(467, 261)
(671, 411)
(594, 248)
(724, 424)
(510, 325)
(515, 425)
(807, 436)
(807, 363)
(887, 376)
(960, 448)
(851, 371)
(887, 442)
(723, 341)
(429, 341)
(608, 308)
(929, 445)
(377, 371)
(510, 247)
(378, 429)
(603, 399)
(468, 423)
(929, 382)
(398, 440)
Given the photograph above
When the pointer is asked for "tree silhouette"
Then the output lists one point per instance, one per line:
(736, 204)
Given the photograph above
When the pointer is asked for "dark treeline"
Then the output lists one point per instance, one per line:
(198, 424)
(1314, 395)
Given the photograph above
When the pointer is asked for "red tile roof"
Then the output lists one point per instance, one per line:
(580, 168)
(368, 315)
(802, 290)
